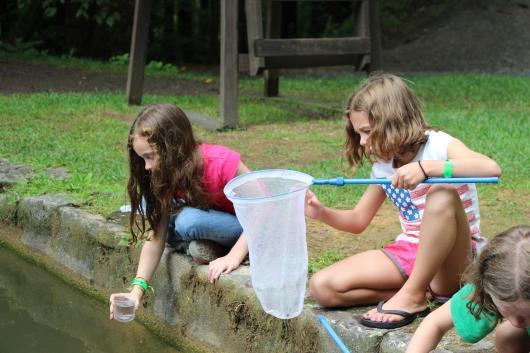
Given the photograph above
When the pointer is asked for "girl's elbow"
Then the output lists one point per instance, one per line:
(358, 228)
(490, 167)
(496, 170)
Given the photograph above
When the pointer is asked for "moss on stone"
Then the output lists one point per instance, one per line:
(248, 324)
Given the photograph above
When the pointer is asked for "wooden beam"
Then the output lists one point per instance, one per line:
(271, 87)
(292, 62)
(376, 60)
(138, 54)
(312, 46)
(254, 32)
(362, 29)
(228, 68)
(296, 62)
(202, 120)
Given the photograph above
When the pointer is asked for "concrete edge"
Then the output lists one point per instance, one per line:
(226, 317)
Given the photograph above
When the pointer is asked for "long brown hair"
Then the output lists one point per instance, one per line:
(502, 271)
(179, 167)
(396, 120)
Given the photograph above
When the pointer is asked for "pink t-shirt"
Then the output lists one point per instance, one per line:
(220, 165)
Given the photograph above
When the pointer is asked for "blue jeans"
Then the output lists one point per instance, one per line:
(195, 224)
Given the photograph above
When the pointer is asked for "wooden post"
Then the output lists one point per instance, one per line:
(376, 61)
(254, 32)
(362, 29)
(228, 68)
(274, 27)
(138, 54)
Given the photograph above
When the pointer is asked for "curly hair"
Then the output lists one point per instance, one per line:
(396, 120)
(502, 271)
(179, 169)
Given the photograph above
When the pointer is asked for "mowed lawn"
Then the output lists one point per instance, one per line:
(85, 134)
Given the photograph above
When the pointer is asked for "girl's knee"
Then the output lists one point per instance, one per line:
(442, 197)
(319, 289)
(186, 226)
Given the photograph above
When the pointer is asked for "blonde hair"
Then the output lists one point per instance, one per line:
(502, 271)
(396, 120)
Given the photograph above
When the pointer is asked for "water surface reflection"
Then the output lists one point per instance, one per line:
(39, 313)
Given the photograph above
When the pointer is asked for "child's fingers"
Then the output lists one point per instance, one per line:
(111, 307)
(210, 274)
(213, 274)
(394, 178)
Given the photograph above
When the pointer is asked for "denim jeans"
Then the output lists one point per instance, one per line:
(195, 224)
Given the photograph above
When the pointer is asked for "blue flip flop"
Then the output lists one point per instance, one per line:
(407, 318)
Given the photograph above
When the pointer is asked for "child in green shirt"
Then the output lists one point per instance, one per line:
(499, 288)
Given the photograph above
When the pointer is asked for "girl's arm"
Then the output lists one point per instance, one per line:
(149, 258)
(152, 250)
(353, 221)
(237, 254)
(466, 163)
(431, 330)
(230, 261)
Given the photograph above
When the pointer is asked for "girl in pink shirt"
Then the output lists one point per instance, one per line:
(176, 191)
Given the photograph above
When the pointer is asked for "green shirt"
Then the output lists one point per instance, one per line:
(468, 328)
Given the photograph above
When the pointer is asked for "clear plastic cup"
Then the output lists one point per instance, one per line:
(123, 309)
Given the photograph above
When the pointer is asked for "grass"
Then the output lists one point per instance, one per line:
(85, 133)
(327, 258)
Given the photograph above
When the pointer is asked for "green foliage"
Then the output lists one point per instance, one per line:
(20, 47)
(120, 60)
(106, 11)
(158, 66)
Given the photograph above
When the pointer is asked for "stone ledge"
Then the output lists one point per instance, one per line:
(220, 317)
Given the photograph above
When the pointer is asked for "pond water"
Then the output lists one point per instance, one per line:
(39, 313)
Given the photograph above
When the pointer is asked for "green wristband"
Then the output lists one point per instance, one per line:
(140, 282)
(448, 169)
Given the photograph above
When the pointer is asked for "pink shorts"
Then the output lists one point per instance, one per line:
(403, 254)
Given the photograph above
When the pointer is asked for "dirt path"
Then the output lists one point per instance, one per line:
(22, 77)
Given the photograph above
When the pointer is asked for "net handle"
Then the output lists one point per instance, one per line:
(340, 181)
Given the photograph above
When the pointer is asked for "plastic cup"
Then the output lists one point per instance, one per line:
(123, 309)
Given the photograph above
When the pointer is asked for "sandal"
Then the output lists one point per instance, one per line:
(407, 318)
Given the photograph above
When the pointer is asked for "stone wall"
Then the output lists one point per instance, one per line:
(93, 254)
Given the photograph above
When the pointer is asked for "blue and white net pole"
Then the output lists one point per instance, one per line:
(340, 181)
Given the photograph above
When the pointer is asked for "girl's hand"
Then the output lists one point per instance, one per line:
(313, 206)
(225, 264)
(408, 176)
(135, 295)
